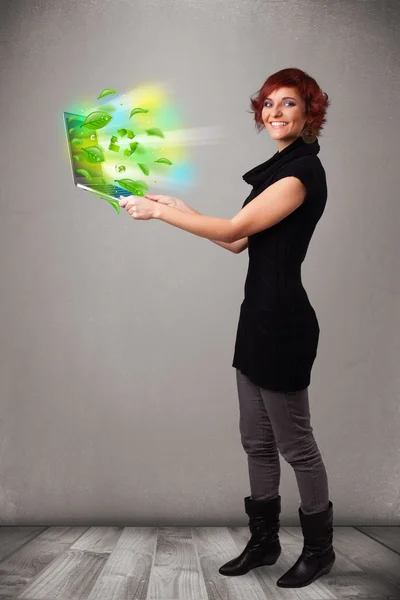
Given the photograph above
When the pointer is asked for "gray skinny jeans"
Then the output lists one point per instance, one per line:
(272, 421)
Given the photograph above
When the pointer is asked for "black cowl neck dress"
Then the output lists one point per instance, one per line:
(278, 330)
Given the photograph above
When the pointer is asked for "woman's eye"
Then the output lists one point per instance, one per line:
(286, 102)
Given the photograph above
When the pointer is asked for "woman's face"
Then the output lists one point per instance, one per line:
(284, 105)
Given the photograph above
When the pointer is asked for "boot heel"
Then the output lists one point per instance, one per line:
(271, 561)
(328, 569)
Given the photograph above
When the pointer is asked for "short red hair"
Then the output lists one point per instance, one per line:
(316, 100)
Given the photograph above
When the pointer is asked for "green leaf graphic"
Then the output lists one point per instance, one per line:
(142, 183)
(71, 130)
(155, 131)
(130, 134)
(84, 173)
(143, 168)
(164, 161)
(106, 92)
(75, 157)
(97, 120)
(135, 111)
(113, 139)
(93, 154)
(132, 186)
(133, 146)
(114, 147)
(122, 132)
(76, 142)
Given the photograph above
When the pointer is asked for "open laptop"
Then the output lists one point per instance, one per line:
(97, 183)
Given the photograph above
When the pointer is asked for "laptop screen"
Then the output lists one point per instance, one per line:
(79, 138)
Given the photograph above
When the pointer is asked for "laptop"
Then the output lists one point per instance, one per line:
(87, 175)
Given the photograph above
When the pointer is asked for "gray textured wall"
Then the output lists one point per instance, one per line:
(118, 398)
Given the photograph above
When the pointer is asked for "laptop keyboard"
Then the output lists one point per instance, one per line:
(112, 190)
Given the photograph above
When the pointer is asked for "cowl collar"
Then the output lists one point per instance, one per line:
(296, 149)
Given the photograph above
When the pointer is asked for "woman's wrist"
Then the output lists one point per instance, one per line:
(187, 208)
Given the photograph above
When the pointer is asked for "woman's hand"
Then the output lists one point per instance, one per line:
(138, 207)
(168, 200)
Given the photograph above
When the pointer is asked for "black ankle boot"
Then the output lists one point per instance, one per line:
(263, 547)
(317, 556)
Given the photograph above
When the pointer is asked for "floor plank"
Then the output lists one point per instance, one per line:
(387, 536)
(12, 538)
(31, 553)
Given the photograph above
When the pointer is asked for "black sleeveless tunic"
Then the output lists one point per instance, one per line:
(278, 330)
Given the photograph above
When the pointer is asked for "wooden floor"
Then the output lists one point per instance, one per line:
(162, 563)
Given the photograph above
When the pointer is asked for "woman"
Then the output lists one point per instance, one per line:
(278, 331)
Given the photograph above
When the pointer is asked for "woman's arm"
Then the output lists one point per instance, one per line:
(235, 247)
(212, 228)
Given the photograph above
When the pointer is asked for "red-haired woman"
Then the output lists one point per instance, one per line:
(278, 331)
